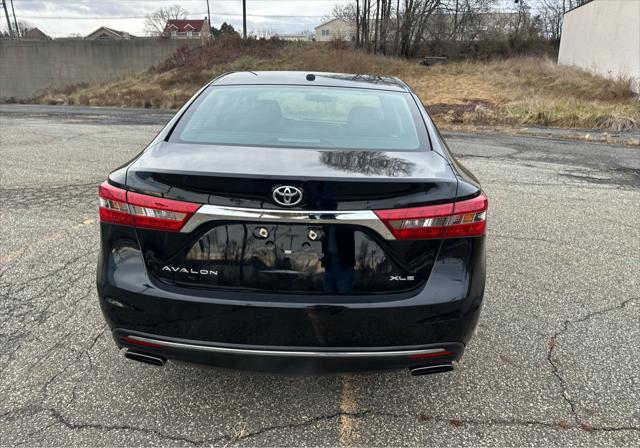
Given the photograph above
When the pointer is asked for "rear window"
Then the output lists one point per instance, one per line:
(304, 117)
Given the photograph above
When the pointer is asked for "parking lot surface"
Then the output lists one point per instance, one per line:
(555, 358)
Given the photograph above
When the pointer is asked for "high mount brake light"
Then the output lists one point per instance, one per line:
(118, 206)
(454, 220)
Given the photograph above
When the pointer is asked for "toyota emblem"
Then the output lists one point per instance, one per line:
(287, 195)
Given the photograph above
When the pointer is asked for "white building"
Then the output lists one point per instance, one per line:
(335, 29)
(299, 37)
(603, 36)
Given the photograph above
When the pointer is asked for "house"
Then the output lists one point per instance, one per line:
(335, 29)
(104, 33)
(293, 37)
(603, 36)
(187, 29)
(35, 34)
(478, 26)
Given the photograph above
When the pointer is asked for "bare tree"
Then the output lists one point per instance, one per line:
(466, 18)
(575, 3)
(23, 27)
(346, 11)
(154, 23)
(378, 30)
(402, 27)
(371, 13)
(364, 19)
(521, 24)
(357, 23)
(552, 13)
(415, 17)
(397, 31)
(376, 24)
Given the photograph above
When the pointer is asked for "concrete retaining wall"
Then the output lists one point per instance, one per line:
(29, 67)
(604, 37)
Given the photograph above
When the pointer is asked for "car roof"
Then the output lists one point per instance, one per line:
(318, 79)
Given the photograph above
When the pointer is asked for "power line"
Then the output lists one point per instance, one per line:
(6, 13)
(15, 21)
(281, 16)
(183, 1)
(186, 1)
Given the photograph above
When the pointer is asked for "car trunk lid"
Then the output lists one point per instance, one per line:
(330, 243)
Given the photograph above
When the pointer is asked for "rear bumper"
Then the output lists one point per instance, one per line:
(288, 359)
(192, 324)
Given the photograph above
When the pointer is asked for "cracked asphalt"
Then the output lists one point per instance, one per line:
(555, 359)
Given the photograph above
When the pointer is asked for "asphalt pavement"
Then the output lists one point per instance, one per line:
(555, 359)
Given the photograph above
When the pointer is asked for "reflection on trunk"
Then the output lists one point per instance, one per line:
(323, 259)
(368, 162)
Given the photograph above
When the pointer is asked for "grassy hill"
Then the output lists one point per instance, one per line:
(529, 91)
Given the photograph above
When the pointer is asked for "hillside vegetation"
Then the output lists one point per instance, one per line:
(524, 91)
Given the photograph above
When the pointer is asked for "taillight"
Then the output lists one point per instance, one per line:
(119, 206)
(157, 213)
(113, 205)
(454, 220)
(469, 218)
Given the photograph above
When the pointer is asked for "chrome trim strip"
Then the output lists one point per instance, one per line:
(287, 353)
(364, 218)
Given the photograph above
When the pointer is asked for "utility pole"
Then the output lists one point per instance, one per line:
(6, 13)
(244, 18)
(209, 18)
(15, 21)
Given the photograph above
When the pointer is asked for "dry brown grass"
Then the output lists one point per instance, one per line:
(529, 91)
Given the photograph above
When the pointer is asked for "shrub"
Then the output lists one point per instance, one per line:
(532, 91)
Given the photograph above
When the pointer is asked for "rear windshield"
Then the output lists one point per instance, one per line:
(304, 117)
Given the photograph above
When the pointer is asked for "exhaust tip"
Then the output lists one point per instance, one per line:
(147, 359)
(428, 370)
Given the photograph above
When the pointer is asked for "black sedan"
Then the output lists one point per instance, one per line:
(289, 221)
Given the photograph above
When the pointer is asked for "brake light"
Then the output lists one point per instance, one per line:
(118, 206)
(454, 220)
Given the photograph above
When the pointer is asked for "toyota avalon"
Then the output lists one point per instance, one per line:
(290, 221)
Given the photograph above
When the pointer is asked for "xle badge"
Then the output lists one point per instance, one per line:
(400, 278)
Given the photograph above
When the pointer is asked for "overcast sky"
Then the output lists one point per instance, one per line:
(60, 18)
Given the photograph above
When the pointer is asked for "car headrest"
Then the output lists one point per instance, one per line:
(362, 115)
(268, 109)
